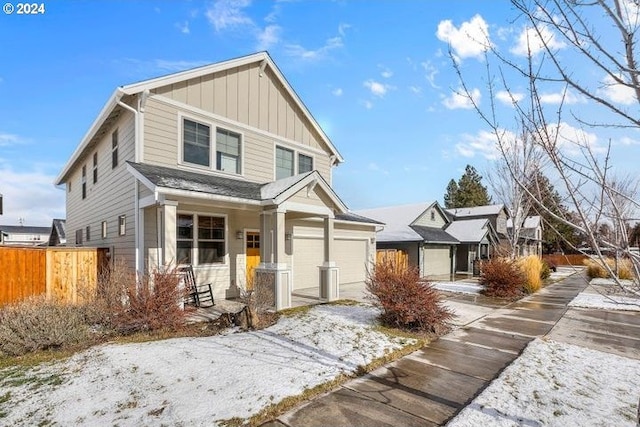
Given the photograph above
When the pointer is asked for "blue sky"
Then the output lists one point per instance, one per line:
(376, 76)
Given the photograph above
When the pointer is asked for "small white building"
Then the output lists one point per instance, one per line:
(24, 235)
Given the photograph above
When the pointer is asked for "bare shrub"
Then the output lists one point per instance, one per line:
(127, 305)
(406, 301)
(37, 324)
(531, 267)
(260, 303)
(501, 278)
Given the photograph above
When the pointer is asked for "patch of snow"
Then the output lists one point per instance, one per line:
(460, 287)
(610, 282)
(607, 302)
(556, 384)
(199, 381)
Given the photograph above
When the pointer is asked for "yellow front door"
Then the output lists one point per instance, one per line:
(252, 254)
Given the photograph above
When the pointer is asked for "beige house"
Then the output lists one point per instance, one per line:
(221, 167)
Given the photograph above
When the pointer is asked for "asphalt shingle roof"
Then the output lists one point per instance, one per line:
(469, 230)
(434, 235)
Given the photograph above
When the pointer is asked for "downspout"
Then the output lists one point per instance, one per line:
(137, 138)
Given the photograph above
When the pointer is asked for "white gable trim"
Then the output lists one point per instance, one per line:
(315, 179)
(225, 65)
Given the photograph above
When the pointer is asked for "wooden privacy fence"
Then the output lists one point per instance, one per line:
(397, 257)
(558, 259)
(63, 274)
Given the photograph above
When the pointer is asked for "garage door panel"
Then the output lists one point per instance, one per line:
(351, 259)
(308, 255)
(437, 261)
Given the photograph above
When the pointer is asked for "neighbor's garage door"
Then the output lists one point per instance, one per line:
(437, 260)
(308, 256)
(351, 258)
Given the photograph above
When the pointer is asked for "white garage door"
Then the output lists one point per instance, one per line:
(351, 258)
(308, 256)
(437, 261)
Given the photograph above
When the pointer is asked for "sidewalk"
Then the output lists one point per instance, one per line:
(429, 387)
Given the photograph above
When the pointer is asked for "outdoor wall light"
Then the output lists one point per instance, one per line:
(239, 235)
(287, 236)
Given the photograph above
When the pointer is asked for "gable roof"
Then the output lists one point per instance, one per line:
(398, 222)
(533, 221)
(112, 103)
(470, 230)
(477, 211)
(166, 180)
(24, 229)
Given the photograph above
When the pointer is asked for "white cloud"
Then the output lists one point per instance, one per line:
(337, 92)
(377, 89)
(305, 54)
(508, 98)
(529, 40)
(269, 37)
(225, 14)
(617, 92)
(571, 139)
(183, 27)
(30, 195)
(386, 72)
(367, 104)
(556, 98)
(459, 100)
(471, 40)
(483, 144)
(417, 90)
(7, 140)
(431, 72)
(342, 29)
(625, 140)
(374, 167)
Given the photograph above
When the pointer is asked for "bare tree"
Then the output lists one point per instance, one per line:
(560, 34)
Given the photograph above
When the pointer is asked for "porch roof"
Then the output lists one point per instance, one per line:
(162, 177)
(165, 177)
(470, 230)
(435, 235)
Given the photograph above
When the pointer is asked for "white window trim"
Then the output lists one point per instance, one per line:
(194, 254)
(295, 158)
(213, 132)
(225, 121)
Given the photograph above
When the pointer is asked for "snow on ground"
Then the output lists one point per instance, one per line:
(195, 381)
(555, 384)
(460, 287)
(610, 302)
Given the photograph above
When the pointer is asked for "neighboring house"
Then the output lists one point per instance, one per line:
(530, 239)
(224, 168)
(478, 240)
(496, 214)
(58, 235)
(23, 235)
(417, 230)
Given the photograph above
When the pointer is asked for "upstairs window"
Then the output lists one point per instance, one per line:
(122, 225)
(79, 237)
(95, 168)
(88, 232)
(284, 163)
(227, 151)
(196, 140)
(84, 181)
(305, 163)
(104, 229)
(114, 149)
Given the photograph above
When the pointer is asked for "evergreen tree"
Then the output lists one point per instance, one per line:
(450, 195)
(467, 192)
(556, 235)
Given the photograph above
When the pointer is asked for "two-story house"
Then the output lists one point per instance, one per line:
(221, 167)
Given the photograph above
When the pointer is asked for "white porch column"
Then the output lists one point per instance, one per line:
(329, 272)
(273, 271)
(169, 242)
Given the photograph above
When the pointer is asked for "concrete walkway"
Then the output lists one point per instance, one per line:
(431, 385)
